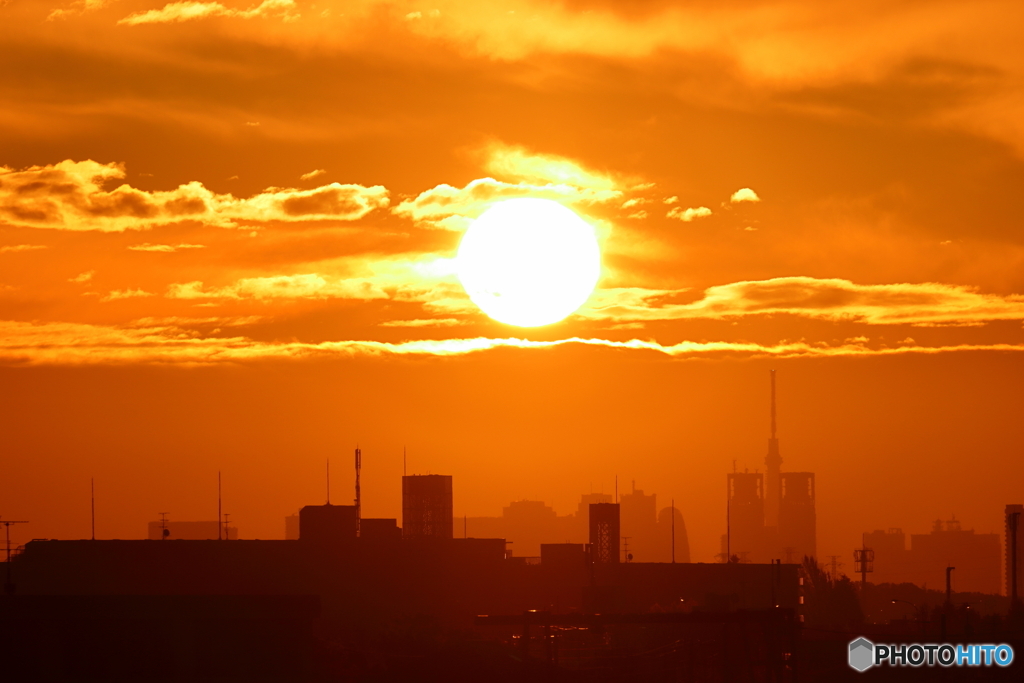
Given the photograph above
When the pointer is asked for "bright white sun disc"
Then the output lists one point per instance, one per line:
(529, 262)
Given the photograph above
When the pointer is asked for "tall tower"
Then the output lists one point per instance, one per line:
(773, 464)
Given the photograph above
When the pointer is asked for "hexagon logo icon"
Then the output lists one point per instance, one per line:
(862, 654)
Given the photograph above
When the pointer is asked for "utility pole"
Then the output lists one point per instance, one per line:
(835, 567)
(9, 586)
(625, 547)
(863, 559)
(673, 531)
(1013, 519)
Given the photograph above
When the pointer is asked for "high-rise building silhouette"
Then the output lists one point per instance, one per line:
(797, 520)
(427, 506)
(604, 532)
(773, 464)
(746, 534)
(1014, 550)
(527, 524)
(639, 522)
(975, 556)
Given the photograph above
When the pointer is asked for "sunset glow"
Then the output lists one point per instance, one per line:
(541, 246)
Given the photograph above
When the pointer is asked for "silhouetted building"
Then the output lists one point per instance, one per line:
(380, 529)
(746, 516)
(527, 524)
(1014, 533)
(891, 563)
(639, 523)
(567, 555)
(328, 524)
(427, 506)
(189, 531)
(975, 556)
(291, 528)
(797, 520)
(604, 532)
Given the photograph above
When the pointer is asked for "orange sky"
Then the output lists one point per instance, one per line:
(227, 231)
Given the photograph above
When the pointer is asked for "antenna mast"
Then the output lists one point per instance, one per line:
(220, 517)
(359, 510)
(9, 586)
(328, 481)
(92, 486)
(773, 404)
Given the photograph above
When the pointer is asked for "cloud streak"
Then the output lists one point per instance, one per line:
(448, 207)
(922, 304)
(186, 11)
(78, 344)
(71, 195)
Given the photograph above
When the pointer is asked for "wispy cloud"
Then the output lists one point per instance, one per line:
(926, 303)
(185, 11)
(313, 174)
(71, 196)
(688, 214)
(126, 294)
(451, 208)
(78, 344)
(165, 248)
(304, 286)
(83, 277)
(517, 163)
(21, 247)
(424, 322)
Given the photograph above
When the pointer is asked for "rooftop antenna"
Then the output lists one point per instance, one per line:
(92, 487)
(9, 586)
(673, 531)
(616, 488)
(359, 466)
(164, 531)
(773, 404)
(328, 481)
(226, 535)
(220, 517)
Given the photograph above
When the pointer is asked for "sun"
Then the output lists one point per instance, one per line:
(529, 262)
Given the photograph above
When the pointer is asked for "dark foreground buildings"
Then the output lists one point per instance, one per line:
(265, 610)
